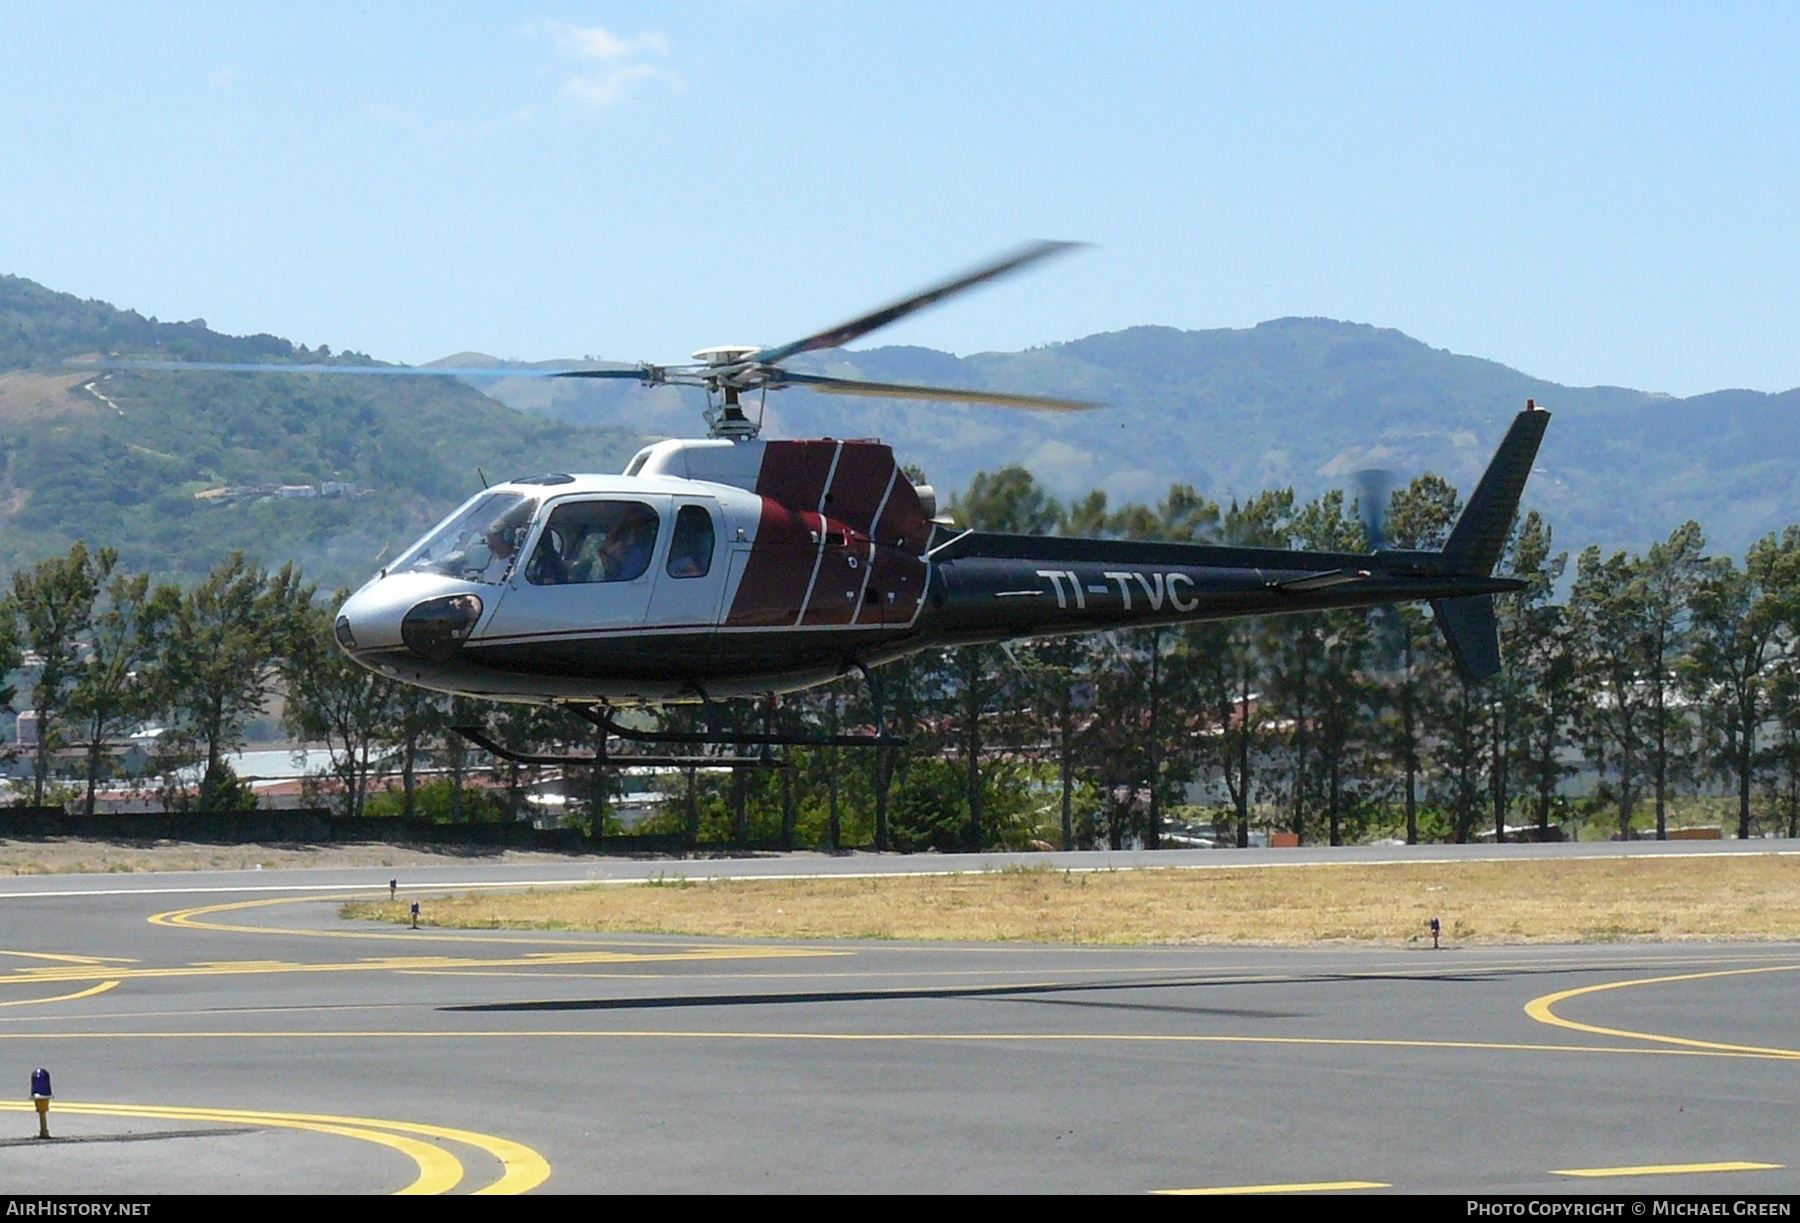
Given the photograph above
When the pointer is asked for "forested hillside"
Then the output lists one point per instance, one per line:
(1301, 402)
(176, 471)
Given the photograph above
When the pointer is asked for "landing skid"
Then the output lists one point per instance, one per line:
(606, 760)
(713, 736)
(603, 718)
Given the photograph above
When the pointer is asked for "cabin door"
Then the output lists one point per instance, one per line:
(691, 569)
(589, 571)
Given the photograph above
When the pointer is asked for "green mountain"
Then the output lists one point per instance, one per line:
(1295, 401)
(176, 470)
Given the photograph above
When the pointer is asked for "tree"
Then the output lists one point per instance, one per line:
(1316, 679)
(1606, 605)
(10, 653)
(1055, 670)
(221, 663)
(1007, 500)
(1419, 516)
(331, 696)
(111, 690)
(54, 603)
(1541, 663)
(419, 718)
(1744, 621)
(1229, 662)
(1663, 586)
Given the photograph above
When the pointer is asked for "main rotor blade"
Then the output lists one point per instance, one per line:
(392, 371)
(896, 390)
(640, 373)
(843, 333)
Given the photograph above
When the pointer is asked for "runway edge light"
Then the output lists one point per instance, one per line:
(40, 1096)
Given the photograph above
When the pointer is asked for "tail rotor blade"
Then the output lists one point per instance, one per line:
(1374, 487)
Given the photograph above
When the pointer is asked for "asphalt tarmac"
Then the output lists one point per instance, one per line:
(228, 1032)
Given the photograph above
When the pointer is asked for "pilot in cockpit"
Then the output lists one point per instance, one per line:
(502, 539)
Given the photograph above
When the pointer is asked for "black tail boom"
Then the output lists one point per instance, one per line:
(993, 587)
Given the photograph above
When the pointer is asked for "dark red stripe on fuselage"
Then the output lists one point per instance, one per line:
(815, 570)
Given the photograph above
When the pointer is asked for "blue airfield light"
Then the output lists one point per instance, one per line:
(40, 1096)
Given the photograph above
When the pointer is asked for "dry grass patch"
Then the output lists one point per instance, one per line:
(1579, 900)
(77, 855)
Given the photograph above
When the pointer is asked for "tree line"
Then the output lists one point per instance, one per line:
(1663, 675)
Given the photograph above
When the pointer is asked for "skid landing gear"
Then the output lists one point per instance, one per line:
(603, 759)
(742, 742)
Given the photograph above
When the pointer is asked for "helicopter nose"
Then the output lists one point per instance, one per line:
(371, 618)
(422, 613)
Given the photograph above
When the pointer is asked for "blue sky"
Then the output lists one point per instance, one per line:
(1594, 194)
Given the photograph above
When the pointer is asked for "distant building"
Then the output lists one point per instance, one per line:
(298, 492)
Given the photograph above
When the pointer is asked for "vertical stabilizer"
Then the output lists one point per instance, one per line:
(1472, 631)
(1469, 625)
(1480, 534)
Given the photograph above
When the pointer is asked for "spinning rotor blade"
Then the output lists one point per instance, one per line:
(639, 373)
(896, 390)
(843, 333)
(391, 371)
(1374, 487)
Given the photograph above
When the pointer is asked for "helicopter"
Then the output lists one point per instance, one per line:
(735, 566)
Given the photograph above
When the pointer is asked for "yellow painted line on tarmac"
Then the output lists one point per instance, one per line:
(439, 1170)
(86, 993)
(61, 958)
(237, 968)
(191, 919)
(1735, 1165)
(522, 1167)
(996, 1038)
(1541, 1009)
(1296, 1187)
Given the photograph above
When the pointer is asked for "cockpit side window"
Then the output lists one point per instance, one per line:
(594, 541)
(691, 547)
(477, 544)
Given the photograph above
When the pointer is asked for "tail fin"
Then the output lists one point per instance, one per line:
(1469, 624)
(1472, 633)
(1480, 534)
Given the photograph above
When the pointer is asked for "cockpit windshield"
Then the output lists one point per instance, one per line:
(478, 543)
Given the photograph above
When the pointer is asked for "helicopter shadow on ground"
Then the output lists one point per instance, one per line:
(1043, 993)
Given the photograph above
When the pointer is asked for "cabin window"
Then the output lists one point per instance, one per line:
(478, 543)
(594, 541)
(691, 549)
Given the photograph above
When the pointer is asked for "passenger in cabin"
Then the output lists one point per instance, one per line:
(626, 553)
(691, 549)
(594, 541)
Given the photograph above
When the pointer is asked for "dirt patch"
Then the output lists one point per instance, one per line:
(1580, 900)
(27, 396)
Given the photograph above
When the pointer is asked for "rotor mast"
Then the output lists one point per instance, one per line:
(727, 371)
